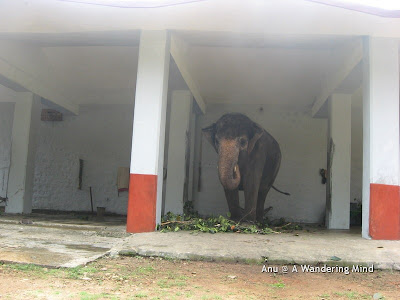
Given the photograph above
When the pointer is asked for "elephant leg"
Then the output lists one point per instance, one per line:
(262, 195)
(270, 172)
(232, 197)
(251, 188)
(250, 208)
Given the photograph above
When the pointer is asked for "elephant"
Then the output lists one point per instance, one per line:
(248, 159)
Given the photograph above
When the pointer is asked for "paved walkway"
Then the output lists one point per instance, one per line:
(66, 241)
(301, 247)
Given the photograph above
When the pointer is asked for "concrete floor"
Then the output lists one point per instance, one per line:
(69, 241)
(58, 240)
(300, 247)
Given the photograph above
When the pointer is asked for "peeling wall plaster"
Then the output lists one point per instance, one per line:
(101, 136)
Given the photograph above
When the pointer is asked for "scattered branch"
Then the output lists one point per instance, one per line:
(283, 226)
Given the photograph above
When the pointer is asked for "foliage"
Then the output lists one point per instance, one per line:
(194, 222)
(282, 224)
(188, 209)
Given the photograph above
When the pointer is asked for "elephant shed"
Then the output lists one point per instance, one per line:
(107, 117)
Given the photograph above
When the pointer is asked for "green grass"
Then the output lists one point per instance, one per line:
(215, 297)
(277, 285)
(353, 295)
(165, 284)
(33, 270)
(79, 272)
(25, 267)
(42, 272)
(87, 296)
(144, 270)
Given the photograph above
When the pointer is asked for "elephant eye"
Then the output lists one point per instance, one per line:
(243, 142)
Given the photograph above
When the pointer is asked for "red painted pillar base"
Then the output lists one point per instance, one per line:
(384, 218)
(142, 203)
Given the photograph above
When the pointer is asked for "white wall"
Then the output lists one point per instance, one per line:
(101, 136)
(6, 121)
(23, 149)
(303, 144)
(339, 169)
(178, 150)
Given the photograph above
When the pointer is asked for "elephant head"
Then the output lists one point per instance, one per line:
(234, 136)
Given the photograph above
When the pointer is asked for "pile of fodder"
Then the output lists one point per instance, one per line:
(193, 222)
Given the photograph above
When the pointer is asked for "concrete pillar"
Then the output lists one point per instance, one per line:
(381, 193)
(339, 159)
(146, 180)
(178, 154)
(23, 143)
(192, 138)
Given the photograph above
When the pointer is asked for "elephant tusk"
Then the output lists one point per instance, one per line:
(235, 168)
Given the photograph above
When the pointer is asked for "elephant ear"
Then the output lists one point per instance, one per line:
(258, 131)
(209, 134)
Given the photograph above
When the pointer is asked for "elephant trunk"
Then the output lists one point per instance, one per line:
(228, 168)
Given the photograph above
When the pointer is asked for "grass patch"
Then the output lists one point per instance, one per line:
(88, 296)
(165, 284)
(24, 267)
(278, 285)
(216, 297)
(33, 270)
(353, 295)
(172, 275)
(79, 272)
(147, 270)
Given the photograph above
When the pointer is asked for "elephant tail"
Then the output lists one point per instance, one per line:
(280, 191)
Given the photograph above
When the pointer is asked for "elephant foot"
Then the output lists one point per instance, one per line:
(236, 214)
(262, 216)
(249, 217)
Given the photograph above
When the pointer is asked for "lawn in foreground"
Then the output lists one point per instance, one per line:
(156, 278)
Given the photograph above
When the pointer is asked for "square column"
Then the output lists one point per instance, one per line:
(146, 178)
(339, 162)
(178, 150)
(381, 193)
(23, 144)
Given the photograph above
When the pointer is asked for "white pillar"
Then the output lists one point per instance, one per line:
(192, 137)
(181, 106)
(145, 190)
(23, 144)
(381, 199)
(339, 149)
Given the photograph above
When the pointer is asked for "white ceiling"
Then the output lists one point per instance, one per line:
(259, 40)
(252, 68)
(262, 16)
(259, 75)
(95, 74)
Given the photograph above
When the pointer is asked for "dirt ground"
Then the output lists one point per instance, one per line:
(156, 278)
